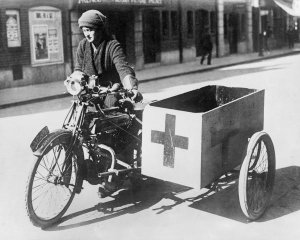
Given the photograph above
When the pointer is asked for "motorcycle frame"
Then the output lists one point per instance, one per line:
(79, 108)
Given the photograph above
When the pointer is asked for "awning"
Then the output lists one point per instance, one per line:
(292, 7)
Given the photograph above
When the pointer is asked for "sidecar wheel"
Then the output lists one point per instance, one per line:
(257, 175)
(52, 183)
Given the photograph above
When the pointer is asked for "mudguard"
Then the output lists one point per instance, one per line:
(49, 138)
(34, 145)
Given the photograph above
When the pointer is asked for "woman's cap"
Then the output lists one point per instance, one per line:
(92, 19)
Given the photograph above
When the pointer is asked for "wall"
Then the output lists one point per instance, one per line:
(16, 67)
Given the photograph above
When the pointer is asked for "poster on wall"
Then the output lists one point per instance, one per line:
(53, 41)
(13, 28)
(40, 36)
(46, 36)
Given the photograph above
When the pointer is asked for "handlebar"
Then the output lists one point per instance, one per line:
(85, 88)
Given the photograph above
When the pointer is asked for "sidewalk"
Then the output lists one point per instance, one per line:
(10, 97)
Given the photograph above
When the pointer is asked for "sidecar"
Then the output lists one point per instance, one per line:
(196, 137)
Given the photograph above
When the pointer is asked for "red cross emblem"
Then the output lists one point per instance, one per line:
(169, 140)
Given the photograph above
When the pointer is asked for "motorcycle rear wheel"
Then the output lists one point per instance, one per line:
(52, 183)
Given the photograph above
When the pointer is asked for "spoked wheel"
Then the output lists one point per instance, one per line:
(52, 183)
(257, 175)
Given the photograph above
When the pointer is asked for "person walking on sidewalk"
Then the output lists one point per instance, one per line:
(290, 37)
(207, 46)
(267, 35)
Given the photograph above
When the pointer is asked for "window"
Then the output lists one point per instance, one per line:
(190, 24)
(243, 27)
(174, 23)
(213, 22)
(225, 26)
(13, 32)
(45, 35)
(165, 24)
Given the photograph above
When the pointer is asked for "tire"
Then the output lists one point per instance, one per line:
(51, 186)
(257, 174)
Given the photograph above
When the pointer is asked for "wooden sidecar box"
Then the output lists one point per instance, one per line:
(195, 137)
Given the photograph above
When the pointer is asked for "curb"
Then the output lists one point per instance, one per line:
(212, 68)
(30, 101)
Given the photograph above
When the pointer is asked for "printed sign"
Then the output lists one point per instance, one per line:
(13, 28)
(44, 15)
(53, 41)
(131, 2)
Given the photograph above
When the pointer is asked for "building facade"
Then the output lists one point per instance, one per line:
(39, 38)
(34, 42)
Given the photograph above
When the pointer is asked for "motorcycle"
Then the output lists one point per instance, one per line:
(97, 144)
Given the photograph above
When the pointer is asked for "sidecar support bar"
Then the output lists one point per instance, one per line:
(117, 172)
(113, 158)
(112, 171)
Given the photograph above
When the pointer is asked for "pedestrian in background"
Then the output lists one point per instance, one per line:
(206, 47)
(290, 37)
(267, 35)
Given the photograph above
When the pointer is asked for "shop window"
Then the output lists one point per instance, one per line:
(13, 31)
(225, 16)
(165, 24)
(174, 24)
(46, 39)
(190, 24)
(213, 22)
(243, 27)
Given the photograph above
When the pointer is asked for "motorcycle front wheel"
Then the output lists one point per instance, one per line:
(52, 183)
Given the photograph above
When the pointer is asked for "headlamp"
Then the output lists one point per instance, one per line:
(73, 86)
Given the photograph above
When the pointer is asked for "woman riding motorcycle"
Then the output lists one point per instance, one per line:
(101, 58)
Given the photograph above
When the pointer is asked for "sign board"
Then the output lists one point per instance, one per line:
(123, 2)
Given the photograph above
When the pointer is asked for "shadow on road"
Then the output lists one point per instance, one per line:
(220, 199)
(285, 198)
(286, 194)
(126, 202)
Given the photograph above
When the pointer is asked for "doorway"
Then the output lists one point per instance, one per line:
(233, 24)
(151, 36)
(118, 27)
(201, 22)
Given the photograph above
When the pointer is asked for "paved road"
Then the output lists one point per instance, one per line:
(164, 210)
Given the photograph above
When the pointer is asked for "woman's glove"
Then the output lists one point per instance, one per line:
(130, 83)
(137, 96)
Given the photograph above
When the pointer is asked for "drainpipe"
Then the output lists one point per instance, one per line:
(217, 28)
(180, 45)
(70, 40)
(260, 35)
